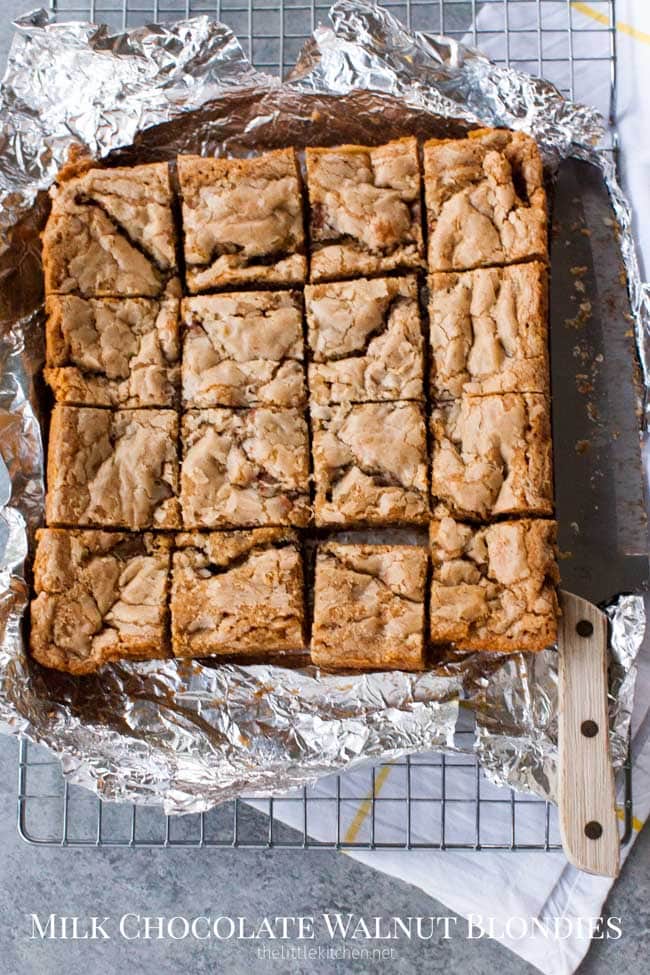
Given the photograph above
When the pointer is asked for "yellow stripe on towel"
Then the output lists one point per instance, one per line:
(600, 18)
(366, 805)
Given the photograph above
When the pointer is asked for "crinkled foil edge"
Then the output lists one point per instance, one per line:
(182, 734)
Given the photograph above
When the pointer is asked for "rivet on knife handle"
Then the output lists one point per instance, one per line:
(586, 797)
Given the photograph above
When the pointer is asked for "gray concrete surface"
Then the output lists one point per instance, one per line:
(186, 882)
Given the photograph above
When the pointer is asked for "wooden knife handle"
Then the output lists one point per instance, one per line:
(586, 797)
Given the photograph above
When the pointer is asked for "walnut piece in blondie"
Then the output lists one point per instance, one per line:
(243, 349)
(365, 209)
(237, 593)
(366, 340)
(119, 352)
(100, 596)
(489, 331)
(244, 468)
(110, 232)
(116, 469)
(492, 455)
(485, 200)
(242, 220)
(369, 607)
(370, 464)
(494, 587)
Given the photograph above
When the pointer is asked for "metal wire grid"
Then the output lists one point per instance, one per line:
(554, 39)
(440, 802)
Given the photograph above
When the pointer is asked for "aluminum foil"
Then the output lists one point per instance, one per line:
(184, 734)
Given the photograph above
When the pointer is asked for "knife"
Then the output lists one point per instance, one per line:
(600, 497)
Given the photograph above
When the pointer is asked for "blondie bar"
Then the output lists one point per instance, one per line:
(489, 331)
(110, 232)
(242, 220)
(237, 593)
(365, 338)
(244, 468)
(485, 200)
(370, 464)
(243, 349)
(494, 588)
(115, 469)
(492, 455)
(365, 209)
(119, 352)
(369, 607)
(100, 596)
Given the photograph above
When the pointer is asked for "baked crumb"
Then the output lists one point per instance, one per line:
(244, 468)
(366, 341)
(111, 233)
(365, 209)
(237, 593)
(494, 588)
(370, 464)
(492, 455)
(100, 596)
(119, 352)
(369, 607)
(115, 469)
(485, 199)
(242, 220)
(243, 349)
(489, 331)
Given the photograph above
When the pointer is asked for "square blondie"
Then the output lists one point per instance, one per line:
(492, 455)
(370, 464)
(365, 338)
(244, 468)
(494, 588)
(485, 200)
(117, 352)
(365, 209)
(112, 468)
(111, 232)
(238, 593)
(100, 596)
(243, 349)
(369, 607)
(242, 220)
(489, 331)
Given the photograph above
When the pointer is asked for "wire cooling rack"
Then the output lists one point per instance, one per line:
(438, 802)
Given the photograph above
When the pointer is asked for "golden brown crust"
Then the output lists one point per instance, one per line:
(485, 198)
(492, 456)
(114, 352)
(237, 593)
(100, 596)
(366, 341)
(494, 588)
(369, 607)
(110, 232)
(489, 331)
(370, 464)
(243, 348)
(365, 209)
(244, 468)
(242, 220)
(117, 469)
